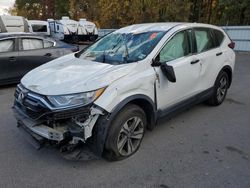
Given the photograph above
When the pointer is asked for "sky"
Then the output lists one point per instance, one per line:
(5, 4)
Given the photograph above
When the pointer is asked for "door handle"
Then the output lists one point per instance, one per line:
(48, 54)
(218, 54)
(195, 61)
(12, 58)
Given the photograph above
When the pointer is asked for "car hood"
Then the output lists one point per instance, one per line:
(68, 74)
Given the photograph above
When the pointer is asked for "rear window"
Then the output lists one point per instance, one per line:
(219, 37)
(7, 45)
(32, 44)
(204, 40)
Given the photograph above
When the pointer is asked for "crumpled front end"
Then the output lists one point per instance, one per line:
(38, 118)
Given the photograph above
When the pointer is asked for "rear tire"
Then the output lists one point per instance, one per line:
(126, 133)
(220, 90)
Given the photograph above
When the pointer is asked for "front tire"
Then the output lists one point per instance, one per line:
(126, 133)
(220, 89)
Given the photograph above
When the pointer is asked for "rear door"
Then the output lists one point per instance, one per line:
(210, 55)
(8, 59)
(34, 52)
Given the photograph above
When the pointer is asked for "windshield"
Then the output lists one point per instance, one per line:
(118, 48)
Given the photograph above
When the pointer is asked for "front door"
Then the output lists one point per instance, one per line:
(178, 52)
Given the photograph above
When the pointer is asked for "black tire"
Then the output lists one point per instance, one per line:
(220, 90)
(123, 138)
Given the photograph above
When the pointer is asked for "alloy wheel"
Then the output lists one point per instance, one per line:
(222, 89)
(130, 136)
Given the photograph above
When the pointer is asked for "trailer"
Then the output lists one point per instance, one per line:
(87, 30)
(13, 24)
(70, 28)
(82, 30)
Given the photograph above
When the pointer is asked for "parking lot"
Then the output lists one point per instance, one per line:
(202, 147)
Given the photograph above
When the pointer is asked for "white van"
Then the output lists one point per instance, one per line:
(51, 27)
(39, 27)
(13, 24)
(56, 29)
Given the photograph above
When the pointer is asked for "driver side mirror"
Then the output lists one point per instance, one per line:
(167, 70)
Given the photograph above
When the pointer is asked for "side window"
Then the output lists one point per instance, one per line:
(32, 44)
(203, 39)
(219, 37)
(177, 47)
(39, 28)
(48, 44)
(7, 45)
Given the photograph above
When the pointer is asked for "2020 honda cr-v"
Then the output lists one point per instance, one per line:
(111, 92)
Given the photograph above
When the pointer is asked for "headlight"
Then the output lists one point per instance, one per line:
(75, 99)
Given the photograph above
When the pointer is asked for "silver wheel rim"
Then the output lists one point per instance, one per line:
(130, 136)
(221, 91)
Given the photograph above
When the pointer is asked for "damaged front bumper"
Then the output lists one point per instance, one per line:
(72, 125)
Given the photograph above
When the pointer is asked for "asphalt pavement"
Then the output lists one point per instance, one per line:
(204, 147)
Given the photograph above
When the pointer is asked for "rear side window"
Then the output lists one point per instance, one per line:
(219, 37)
(204, 40)
(177, 46)
(32, 44)
(39, 28)
(7, 45)
(48, 44)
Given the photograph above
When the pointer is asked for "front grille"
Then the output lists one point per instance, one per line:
(31, 112)
(82, 111)
(35, 109)
(29, 105)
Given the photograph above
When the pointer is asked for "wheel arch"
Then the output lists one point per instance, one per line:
(227, 69)
(104, 122)
(145, 103)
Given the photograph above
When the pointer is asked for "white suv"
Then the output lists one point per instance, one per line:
(108, 94)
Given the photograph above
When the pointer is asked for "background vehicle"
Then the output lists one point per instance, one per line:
(39, 27)
(79, 31)
(108, 94)
(51, 27)
(13, 24)
(87, 30)
(56, 29)
(21, 52)
(70, 28)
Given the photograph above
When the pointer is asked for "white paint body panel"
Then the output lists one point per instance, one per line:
(68, 74)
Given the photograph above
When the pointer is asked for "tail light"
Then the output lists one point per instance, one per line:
(231, 45)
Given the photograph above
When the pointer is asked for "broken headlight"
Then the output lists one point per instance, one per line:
(79, 99)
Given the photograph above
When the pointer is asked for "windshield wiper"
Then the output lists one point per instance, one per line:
(126, 48)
